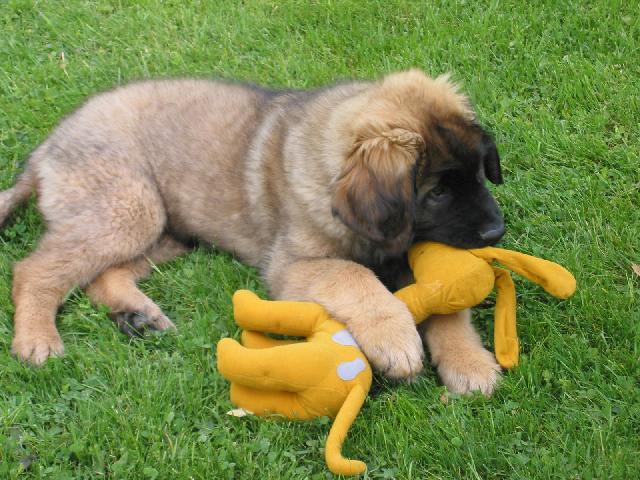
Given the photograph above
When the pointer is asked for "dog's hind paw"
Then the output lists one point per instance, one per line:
(134, 324)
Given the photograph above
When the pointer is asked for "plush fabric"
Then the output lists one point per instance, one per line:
(324, 375)
(449, 279)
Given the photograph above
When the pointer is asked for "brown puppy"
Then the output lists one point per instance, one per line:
(316, 188)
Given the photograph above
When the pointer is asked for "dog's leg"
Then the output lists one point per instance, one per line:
(116, 288)
(456, 350)
(86, 235)
(36, 296)
(381, 324)
(40, 283)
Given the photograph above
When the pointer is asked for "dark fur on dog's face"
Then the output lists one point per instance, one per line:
(441, 196)
(453, 204)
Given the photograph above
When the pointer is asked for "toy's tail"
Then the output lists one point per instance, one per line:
(552, 277)
(11, 198)
(347, 414)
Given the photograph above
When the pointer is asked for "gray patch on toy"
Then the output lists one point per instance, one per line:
(349, 370)
(343, 337)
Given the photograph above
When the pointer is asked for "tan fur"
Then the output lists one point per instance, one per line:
(456, 349)
(116, 286)
(385, 160)
(265, 177)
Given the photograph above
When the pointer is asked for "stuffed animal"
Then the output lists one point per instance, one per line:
(449, 279)
(327, 374)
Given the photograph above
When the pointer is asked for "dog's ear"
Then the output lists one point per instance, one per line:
(491, 160)
(374, 194)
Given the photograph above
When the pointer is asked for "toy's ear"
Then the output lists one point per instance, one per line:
(554, 278)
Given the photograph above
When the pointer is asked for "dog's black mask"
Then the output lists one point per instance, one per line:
(453, 204)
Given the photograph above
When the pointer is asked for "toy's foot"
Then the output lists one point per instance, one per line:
(135, 324)
(390, 341)
(468, 370)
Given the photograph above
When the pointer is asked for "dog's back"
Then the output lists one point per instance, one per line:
(215, 152)
(187, 138)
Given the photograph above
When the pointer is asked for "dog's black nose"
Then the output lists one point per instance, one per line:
(492, 233)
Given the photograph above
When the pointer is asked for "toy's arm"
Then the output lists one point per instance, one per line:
(505, 337)
(552, 277)
(347, 414)
(286, 318)
(420, 298)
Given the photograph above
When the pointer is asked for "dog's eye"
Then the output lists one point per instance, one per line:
(438, 191)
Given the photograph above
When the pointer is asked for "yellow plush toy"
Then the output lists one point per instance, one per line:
(327, 374)
(450, 279)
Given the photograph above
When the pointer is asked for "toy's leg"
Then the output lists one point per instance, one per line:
(289, 368)
(251, 339)
(263, 402)
(286, 318)
(505, 336)
(347, 414)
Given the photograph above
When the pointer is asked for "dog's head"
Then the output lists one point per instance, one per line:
(417, 168)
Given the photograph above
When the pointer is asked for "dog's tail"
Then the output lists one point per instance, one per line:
(20, 192)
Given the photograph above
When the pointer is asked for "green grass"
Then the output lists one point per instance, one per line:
(558, 84)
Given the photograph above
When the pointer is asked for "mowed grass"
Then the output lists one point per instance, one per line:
(558, 84)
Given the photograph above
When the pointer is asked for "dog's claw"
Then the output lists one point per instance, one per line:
(130, 323)
(134, 324)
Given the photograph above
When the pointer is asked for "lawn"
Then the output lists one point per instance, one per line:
(559, 85)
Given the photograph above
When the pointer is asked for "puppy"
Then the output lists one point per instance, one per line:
(318, 189)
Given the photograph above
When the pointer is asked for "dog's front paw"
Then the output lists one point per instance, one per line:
(469, 369)
(36, 349)
(391, 343)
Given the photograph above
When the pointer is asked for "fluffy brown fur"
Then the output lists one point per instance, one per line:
(312, 187)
